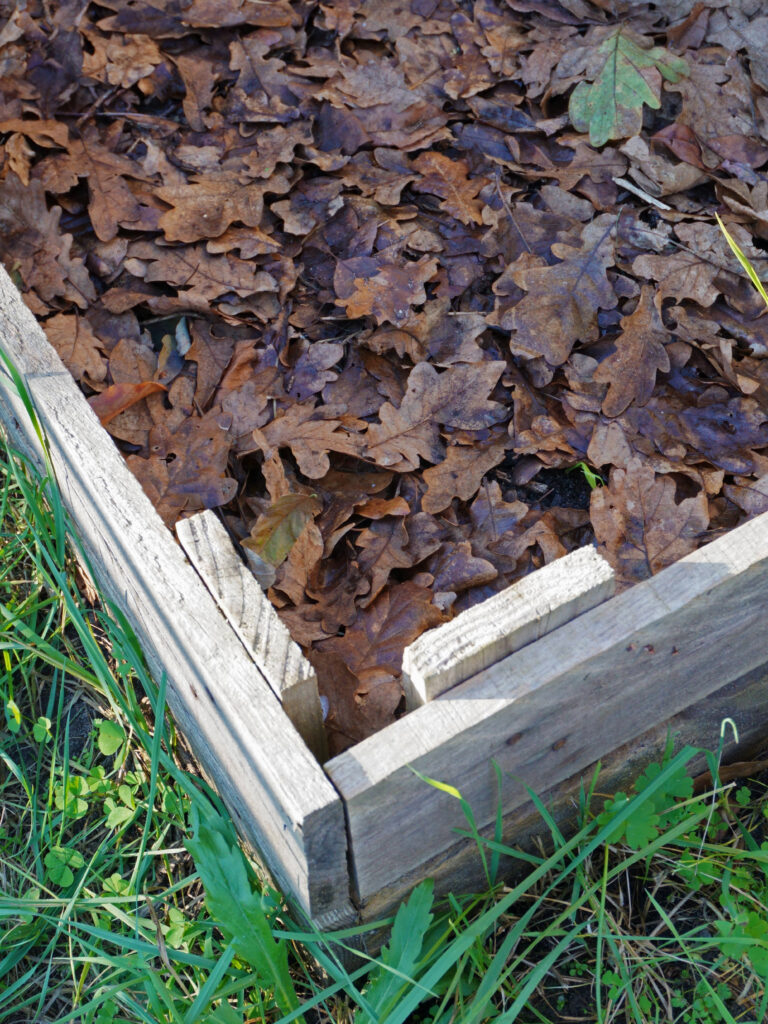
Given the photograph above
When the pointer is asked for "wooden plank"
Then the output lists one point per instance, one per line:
(255, 621)
(552, 708)
(529, 609)
(279, 797)
(459, 869)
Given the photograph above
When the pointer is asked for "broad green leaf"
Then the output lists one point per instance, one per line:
(111, 737)
(679, 786)
(400, 957)
(627, 77)
(60, 862)
(117, 814)
(41, 730)
(278, 529)
(116, 885)
(72, 798)
(239, 910)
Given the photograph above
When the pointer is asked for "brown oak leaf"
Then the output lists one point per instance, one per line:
(36, 247)
(640, 526)
(388, 293)
(455, 568)
(364, 698)
(383, 548)
(119, 397)
(310, 437)
(561, 302)
(187, 469)
(206, 208)
(453, 398)
(460, 474)
(79, 347)
(630, 371)
(447, 178)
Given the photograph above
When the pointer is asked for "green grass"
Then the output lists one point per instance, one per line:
(124, 895)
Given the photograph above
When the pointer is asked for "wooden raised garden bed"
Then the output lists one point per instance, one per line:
(545, 680)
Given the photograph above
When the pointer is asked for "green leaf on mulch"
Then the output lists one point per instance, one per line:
(625, 74)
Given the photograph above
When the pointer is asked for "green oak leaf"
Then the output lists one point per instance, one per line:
(628, 76)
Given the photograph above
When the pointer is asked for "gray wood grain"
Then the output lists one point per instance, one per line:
(459, 869)
(249, 612)
(447, 655)
(279, 797)
(552, 708)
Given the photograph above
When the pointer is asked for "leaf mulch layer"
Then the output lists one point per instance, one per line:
(373, 278)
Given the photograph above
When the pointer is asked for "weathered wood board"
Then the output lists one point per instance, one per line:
(255, 621)
(447, 655)
(554, 707)
(280, 798)
(458, 867)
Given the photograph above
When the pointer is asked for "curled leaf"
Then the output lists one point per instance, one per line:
(277, 530)
(119, 397)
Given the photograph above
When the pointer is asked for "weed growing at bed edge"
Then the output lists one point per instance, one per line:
(120, 873)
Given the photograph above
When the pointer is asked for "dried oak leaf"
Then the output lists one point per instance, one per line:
(456, 398)
(119, 397)
(388, 292)
(448, 178)
(275, 532)
(312, 370)
(32, 244)
(294, 574)
(201, 278)
(460, 474)
(630, 371)
(639, 525)
(692, 271)
(187, 468)
(383, 546)
(365, 697)
(121, 60)
(228, 13)
(111, 203)
(310, 434)
(79, 348)
(455, 568)
(561, 302)
(206, 208)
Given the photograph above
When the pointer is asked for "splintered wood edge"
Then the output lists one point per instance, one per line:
(278, 794)
(557, 705)
(478, 637)
(251, 615)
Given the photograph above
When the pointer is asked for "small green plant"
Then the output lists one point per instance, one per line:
(593, 479)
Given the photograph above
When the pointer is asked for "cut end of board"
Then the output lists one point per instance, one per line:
(478, 637)
(256, 623)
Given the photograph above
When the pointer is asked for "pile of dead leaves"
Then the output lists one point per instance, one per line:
(373, 277)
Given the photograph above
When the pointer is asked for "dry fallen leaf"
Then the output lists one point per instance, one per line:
(640, 526)
(119, 397)
(631, 370)
(277, 530)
